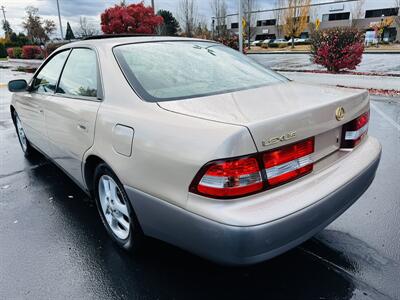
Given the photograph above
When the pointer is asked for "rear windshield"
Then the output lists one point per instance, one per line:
(176, 70)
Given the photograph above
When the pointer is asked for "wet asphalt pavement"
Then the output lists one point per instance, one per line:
(53, 245)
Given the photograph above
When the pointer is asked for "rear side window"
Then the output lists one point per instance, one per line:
(79, 77)
(46, 80)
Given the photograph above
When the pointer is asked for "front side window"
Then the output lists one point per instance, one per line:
(175, 70)
(46, 80)
(79, 77)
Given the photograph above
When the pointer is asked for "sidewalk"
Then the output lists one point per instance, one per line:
(305, 49)
(357, 81)
(308, 52)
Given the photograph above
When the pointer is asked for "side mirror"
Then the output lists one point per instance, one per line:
(18, 85)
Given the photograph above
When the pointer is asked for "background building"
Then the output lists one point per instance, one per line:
(359, 13)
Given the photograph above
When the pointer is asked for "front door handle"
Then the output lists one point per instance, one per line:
(82, 127)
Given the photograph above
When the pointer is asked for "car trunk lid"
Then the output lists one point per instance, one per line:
(281, 114)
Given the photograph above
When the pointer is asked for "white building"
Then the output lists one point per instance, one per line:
(360, 13)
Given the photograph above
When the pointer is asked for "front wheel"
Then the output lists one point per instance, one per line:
(23, 141)
(115, 210)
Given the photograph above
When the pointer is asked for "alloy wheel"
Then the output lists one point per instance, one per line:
(113, 206)
(21, 134)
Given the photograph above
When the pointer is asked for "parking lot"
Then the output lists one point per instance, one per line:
(53, 245)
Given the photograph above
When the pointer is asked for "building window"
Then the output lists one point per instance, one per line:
(377, 13)
(297, 19)
(336, 16)
(220, 27)
(234, 25)
(262, 37)
(270, 22)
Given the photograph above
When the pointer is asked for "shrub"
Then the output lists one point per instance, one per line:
(17, 51)
(3, 52)
(11, 52)
(230, 40)
(132, 18)
(337, 48)
(277, 45)
(31, 51)
(51, 47)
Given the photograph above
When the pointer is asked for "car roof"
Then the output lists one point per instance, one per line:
(111, 41)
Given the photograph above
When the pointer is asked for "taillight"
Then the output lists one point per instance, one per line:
(354, 131)
(230, 178)
(289, 162)
(234, 178)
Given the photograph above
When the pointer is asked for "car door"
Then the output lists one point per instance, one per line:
(71, 112)
(30, 105)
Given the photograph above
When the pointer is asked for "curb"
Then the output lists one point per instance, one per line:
(355, 73)
(27, 61)
(384, 83)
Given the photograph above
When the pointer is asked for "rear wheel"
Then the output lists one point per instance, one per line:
(23, 140)
(115, 209)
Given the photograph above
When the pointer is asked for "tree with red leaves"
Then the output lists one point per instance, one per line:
(337, 48)
(133, 18)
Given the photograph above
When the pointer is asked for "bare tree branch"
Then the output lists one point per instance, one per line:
(188, 16)
(85, 29)
(219, 10)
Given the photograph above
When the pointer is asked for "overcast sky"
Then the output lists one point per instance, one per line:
(71, 10)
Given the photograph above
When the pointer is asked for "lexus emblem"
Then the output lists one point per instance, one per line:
(339, 113)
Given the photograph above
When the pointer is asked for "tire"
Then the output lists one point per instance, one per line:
(116, 211)
(26, 146)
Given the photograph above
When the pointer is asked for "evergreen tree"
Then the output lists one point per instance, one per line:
(171, 25)
(7, 28)
(69, 35)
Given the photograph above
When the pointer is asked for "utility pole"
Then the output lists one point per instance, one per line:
(248, 16)
(5, 20)
(240, 26)
(59, 20)
(212, 28)
(152, 5)
(4, 13)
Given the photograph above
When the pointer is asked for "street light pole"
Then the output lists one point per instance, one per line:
(240, 26)
(152, 5)
(59, 20)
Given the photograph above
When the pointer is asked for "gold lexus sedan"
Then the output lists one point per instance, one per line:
(195, 144)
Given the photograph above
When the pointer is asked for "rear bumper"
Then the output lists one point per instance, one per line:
(242, 245)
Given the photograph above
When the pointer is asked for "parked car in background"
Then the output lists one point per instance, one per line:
(256, 43)
(280, 41)
(267, 41)
(301, 40)
(237, 169)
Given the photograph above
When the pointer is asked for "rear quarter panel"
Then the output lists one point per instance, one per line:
(168, 148)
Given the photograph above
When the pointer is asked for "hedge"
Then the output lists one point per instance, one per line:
(277, 45)
(32, 52)
(15, 52)
(3, 51)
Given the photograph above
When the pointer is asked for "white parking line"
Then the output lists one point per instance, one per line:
(386, 117)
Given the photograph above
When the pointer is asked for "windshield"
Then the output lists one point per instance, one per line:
(175, 70)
